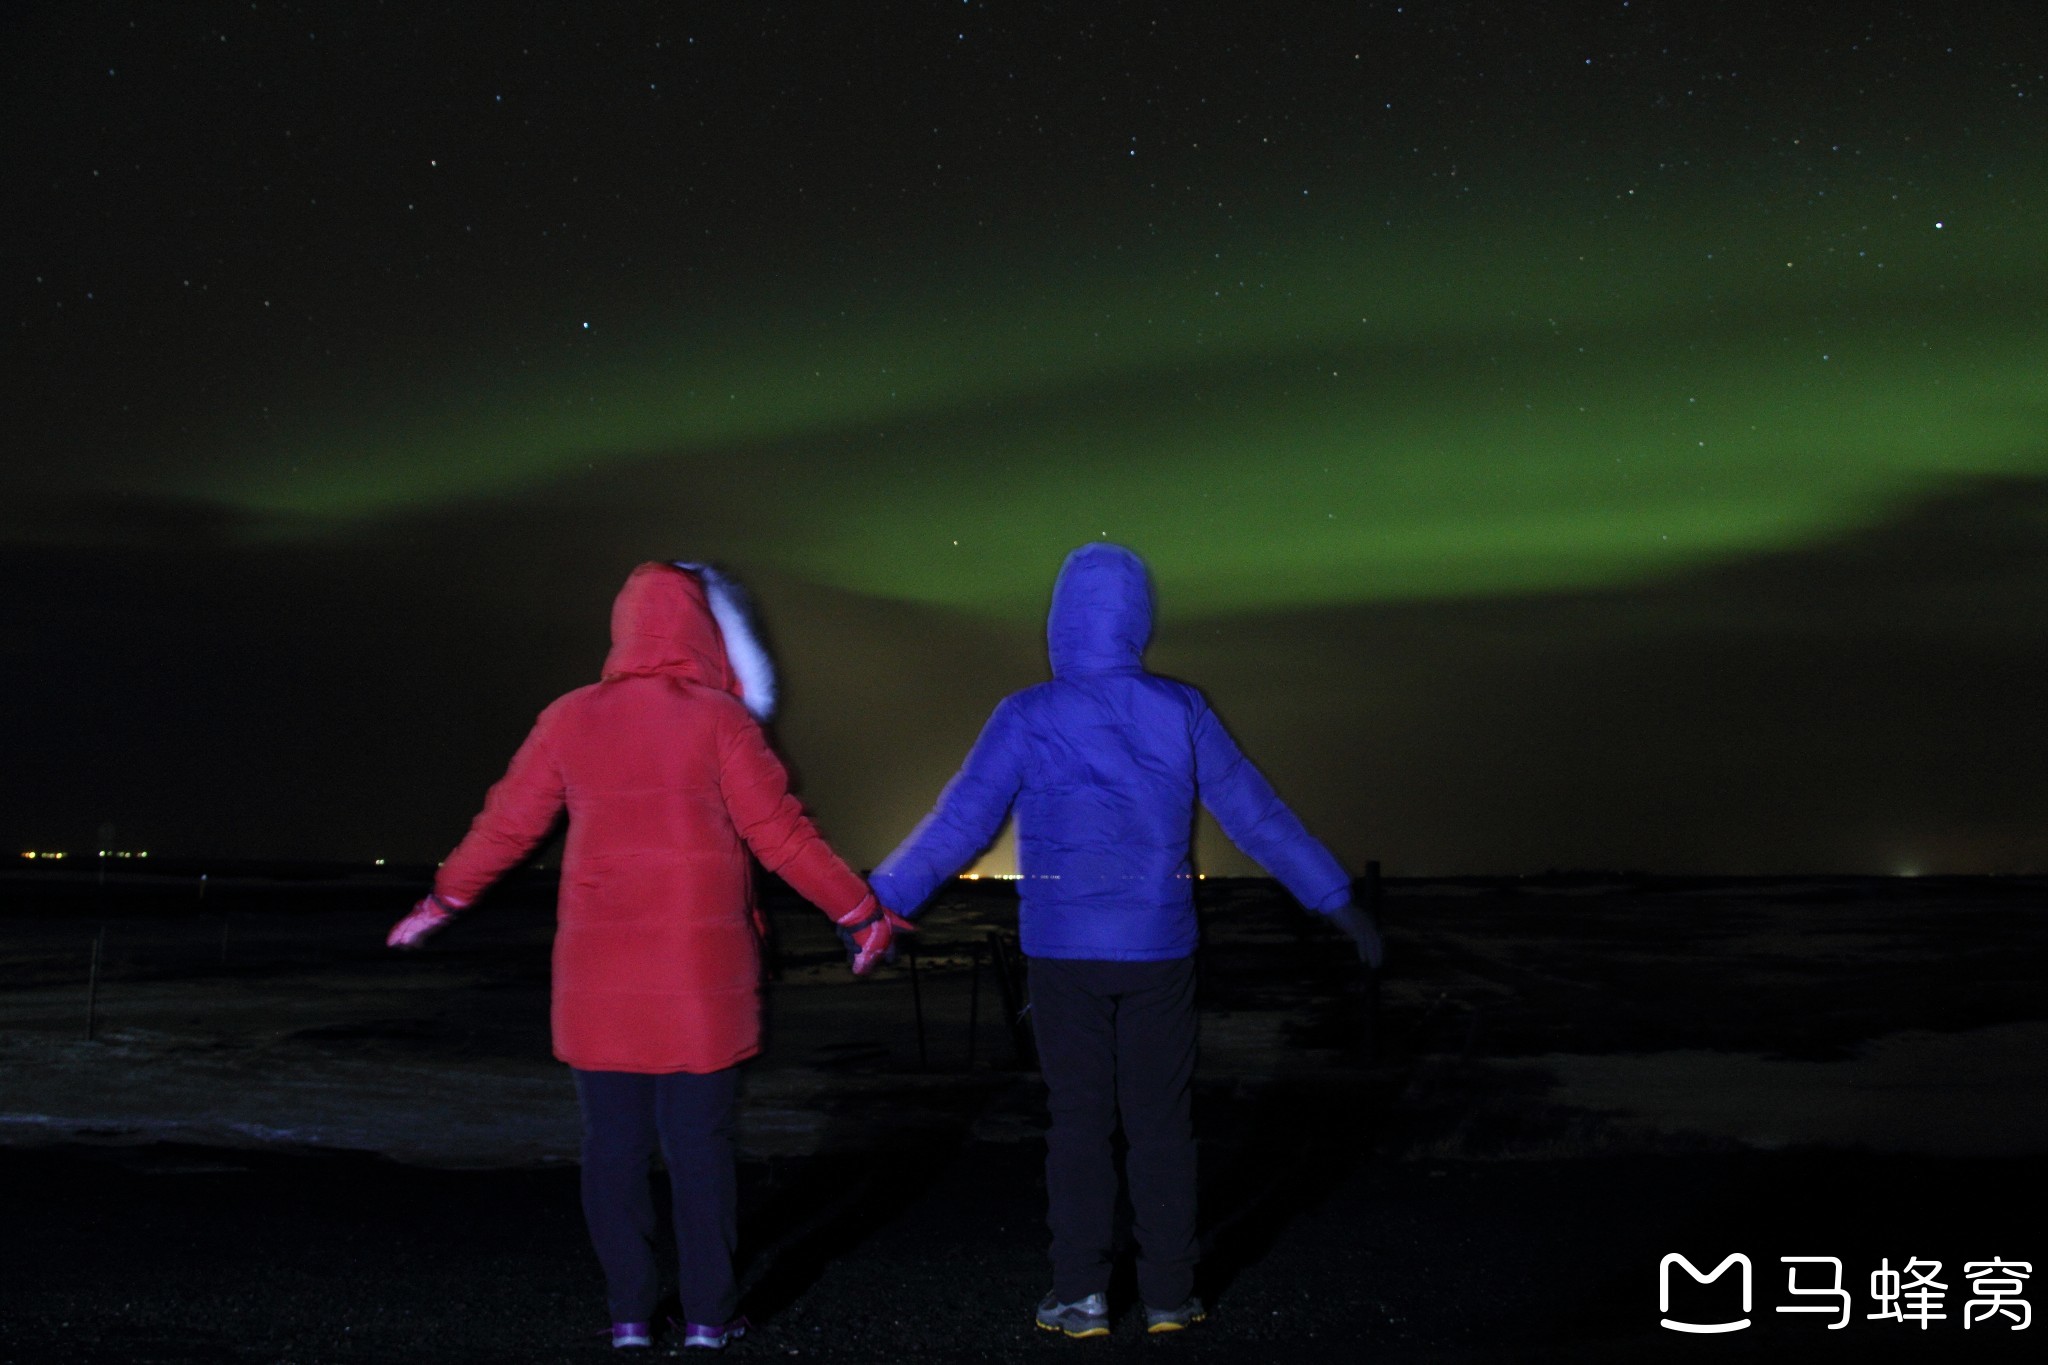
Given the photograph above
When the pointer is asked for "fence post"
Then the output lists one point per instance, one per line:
(92, 985)
(771, 946)
(1014, 1004)
(916, 1003)
(973, 1000)
(1367, 991)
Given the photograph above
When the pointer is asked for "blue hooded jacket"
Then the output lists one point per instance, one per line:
(1104, 765)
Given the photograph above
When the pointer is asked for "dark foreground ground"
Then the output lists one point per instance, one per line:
(172, 1254)
(1490, 1177)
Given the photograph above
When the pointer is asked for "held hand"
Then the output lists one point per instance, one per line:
(874, 942)
(428, 916)
(1364, 933)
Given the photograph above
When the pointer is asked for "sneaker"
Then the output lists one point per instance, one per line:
(714, 1336)
(1175, 1319)
(632, 1334)
(1087, 1317)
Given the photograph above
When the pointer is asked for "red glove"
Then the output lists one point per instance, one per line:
(870, 932)
(429, 915)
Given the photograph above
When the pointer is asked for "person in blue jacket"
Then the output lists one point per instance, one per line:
(1103, 766)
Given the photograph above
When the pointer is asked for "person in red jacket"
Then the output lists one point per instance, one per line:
(669, 785)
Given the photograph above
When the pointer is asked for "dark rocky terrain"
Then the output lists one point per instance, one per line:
(286, 1144)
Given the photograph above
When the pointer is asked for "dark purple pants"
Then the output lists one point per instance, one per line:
(1117, 1040)
(627, 1117)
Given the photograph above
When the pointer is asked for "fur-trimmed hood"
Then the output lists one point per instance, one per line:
(692, 621)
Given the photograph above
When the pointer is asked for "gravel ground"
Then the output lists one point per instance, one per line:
(258, 1158)
(169, 1254)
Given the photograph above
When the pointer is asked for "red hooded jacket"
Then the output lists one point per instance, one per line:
(669, 783)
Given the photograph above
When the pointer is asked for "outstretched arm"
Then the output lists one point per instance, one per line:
(1261, 824)
(518, 812)
(965, 820)
(773, 823)
(755, 786)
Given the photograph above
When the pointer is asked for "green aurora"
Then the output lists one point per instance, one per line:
(1473, 401)
(1570, 436)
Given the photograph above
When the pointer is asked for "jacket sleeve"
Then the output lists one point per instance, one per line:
(1260, 823)
(518, 812)
(965, 820)
(755, 786)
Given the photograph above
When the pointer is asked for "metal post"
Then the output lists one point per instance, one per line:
(1014, 1003)
(917, 1003)
(1369, 1005)
(771, 947)
(92, 985)
(973, 1001)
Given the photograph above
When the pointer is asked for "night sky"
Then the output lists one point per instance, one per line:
(1582, 436)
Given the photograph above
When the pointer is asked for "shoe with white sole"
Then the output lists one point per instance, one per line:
(1087, 1317)
(710, 1336)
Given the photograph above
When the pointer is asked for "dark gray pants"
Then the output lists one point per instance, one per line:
(627, 1117)
(1117, 1040)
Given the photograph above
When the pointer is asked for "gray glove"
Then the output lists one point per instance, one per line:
(1364, 932)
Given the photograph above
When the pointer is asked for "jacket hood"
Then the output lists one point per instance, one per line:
(1101, 616)
(690, 621)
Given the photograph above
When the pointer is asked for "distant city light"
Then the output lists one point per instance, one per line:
(43, 853)
(1019, 876)
(377, 862)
